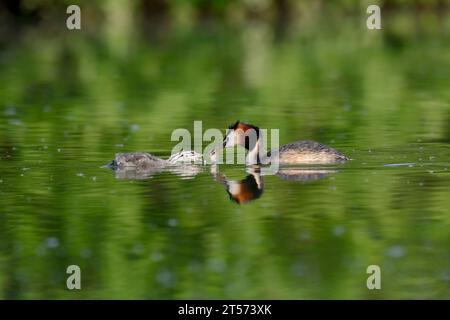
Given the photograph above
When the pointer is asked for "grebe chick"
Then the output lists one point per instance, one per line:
(147, 160)
(186, 156)
(298, 152)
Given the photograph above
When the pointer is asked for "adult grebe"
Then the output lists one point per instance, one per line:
(297, 152)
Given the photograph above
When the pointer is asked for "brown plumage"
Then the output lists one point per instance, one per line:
(306, 151)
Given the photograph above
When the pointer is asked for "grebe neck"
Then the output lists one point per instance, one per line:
(254, 155)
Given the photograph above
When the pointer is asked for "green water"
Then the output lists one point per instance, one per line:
(70, 100)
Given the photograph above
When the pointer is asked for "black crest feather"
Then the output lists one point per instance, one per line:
(234, 126)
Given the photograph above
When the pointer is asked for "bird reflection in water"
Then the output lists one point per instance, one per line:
(185, 171)
(240, 191)
(252, 186)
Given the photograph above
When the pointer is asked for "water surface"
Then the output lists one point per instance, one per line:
(69, 102)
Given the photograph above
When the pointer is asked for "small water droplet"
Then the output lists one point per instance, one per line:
(138, 249)
(216, 265)
(172, 222)
(446, 275)
(298, 269)
(52, 242)
(396, 251)
(80, 174)
(338, 230)
(86, 253)
(305, 235)
(15, 122)
(10, 111)
(165, 278)
(156, 256)
(134, 127)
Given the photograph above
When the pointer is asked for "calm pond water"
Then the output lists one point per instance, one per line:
(70, 101)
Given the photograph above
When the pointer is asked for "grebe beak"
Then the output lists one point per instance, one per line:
(213, 156)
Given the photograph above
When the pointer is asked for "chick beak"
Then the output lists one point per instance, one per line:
(213, 155)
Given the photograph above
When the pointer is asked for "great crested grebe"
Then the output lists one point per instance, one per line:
(147, 160)
(297, 152)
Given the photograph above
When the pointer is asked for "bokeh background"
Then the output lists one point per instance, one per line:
(69, 100)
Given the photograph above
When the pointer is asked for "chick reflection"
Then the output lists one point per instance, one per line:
(133, 173)
(241, 191)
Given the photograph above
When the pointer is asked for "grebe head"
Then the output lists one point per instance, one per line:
(240, 134)
(246, 190)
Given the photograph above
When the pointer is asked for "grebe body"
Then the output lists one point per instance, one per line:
(308, 152)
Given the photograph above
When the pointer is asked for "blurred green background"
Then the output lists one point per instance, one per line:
(69, 100)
